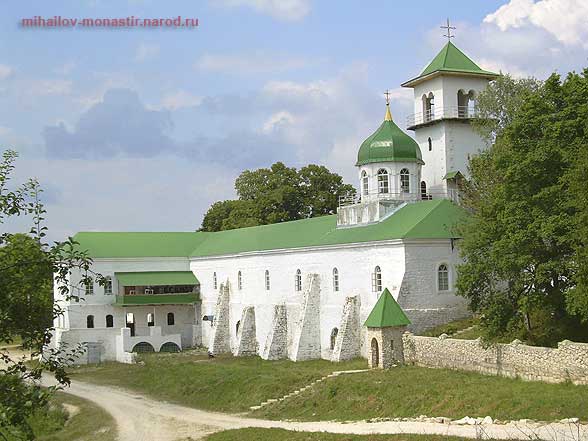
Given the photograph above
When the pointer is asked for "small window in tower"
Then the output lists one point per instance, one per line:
(150, 319)
(267, 280)
(108, 285)
(430, 141)
(214, 281)
(364, 183)
(239, 281)
(109, 321)
(383, 183)
(90, 321)
(171, 320)
(404, 181)
(424, 195)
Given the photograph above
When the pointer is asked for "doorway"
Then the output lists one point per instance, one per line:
(131, 323)
(375, 353)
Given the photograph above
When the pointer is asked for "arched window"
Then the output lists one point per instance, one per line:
(472, 103)
(214, 281)
(334, 333)
(335, 279)
(171, 320)
(377, 280)
(404, 181)
(428, 107)
(90, 321)
(150, 319)
(108, 285)
(109, 321)
(298, 280)
(383, 185)
(424, 190)
(267, 280)
(443, 278)
(364, 183)
(237, 326)
(239, 281)
(430, 141)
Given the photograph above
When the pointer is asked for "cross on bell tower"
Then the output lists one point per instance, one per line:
(448, 27)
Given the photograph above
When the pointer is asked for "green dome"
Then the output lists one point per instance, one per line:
(389, 144)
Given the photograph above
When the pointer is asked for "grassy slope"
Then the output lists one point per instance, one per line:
(90, 423)
(453, 327)
(224, 384)
(279, 434)
(411, 391)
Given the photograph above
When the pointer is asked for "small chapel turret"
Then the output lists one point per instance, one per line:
(389, 165)
(444, 104)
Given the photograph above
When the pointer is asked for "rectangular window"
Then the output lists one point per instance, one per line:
(108, 286)
(89, 288)
(443, 281)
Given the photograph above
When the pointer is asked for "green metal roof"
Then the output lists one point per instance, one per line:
(156, 299)
(453, 174)
(389, 144)
(386, 312)
(151, 278)
(419, 220)
(450, 59)
(166, 244)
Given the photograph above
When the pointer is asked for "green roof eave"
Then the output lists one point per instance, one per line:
(153, 278)
(482, 73)
(157, 299)
(387, 159)
(453, 175)
(386, 312)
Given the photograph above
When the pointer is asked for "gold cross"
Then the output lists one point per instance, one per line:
(449, 28)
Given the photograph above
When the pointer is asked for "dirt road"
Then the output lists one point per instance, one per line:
(143, 419)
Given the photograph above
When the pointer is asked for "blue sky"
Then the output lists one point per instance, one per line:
(142, 129)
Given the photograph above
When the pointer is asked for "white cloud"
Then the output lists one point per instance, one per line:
(179, 99)
(277, 120)
(66, 68)
(50, 87)
(253, 63)
(287, 10)
(565, 20)
(146, 52)
(5, 71)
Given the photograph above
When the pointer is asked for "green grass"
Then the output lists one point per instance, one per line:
(15, 341)
(410, 391)
(87, 422)
(255, 434)
(455, 326)
(223, 384)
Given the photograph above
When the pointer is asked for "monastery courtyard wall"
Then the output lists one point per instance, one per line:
(567, 362)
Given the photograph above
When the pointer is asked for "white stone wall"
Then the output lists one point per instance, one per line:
(220, 339)
(276, 342)
(306, 344)
(422, 301)
(354, 263)
(567, 362)
(347, 343)
(246, 339)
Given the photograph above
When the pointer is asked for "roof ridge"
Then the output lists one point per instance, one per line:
(437, 203)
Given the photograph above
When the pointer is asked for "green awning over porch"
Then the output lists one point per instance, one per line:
(453, 175)
(157, 299)
(153, 278)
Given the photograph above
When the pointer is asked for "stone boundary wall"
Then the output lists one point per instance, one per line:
(567, 362)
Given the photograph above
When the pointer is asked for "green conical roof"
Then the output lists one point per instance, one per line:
(451, 59)
(389, 144)
(386, 312)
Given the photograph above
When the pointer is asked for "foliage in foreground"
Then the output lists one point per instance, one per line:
(256, 434)
(86, 422)
(524, 245)
(410, 391)
(278, 194)
(26, 304)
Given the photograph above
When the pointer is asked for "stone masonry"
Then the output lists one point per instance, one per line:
(567, 362)
(347, 343)
(276, 345)
(220, 337)
(246, 340)
(306, 344)
(390, 346)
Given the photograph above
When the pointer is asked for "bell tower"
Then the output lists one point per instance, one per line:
(444, 105)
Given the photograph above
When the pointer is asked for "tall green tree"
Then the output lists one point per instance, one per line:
(28, 268)
(521, 244)
(277, 194)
